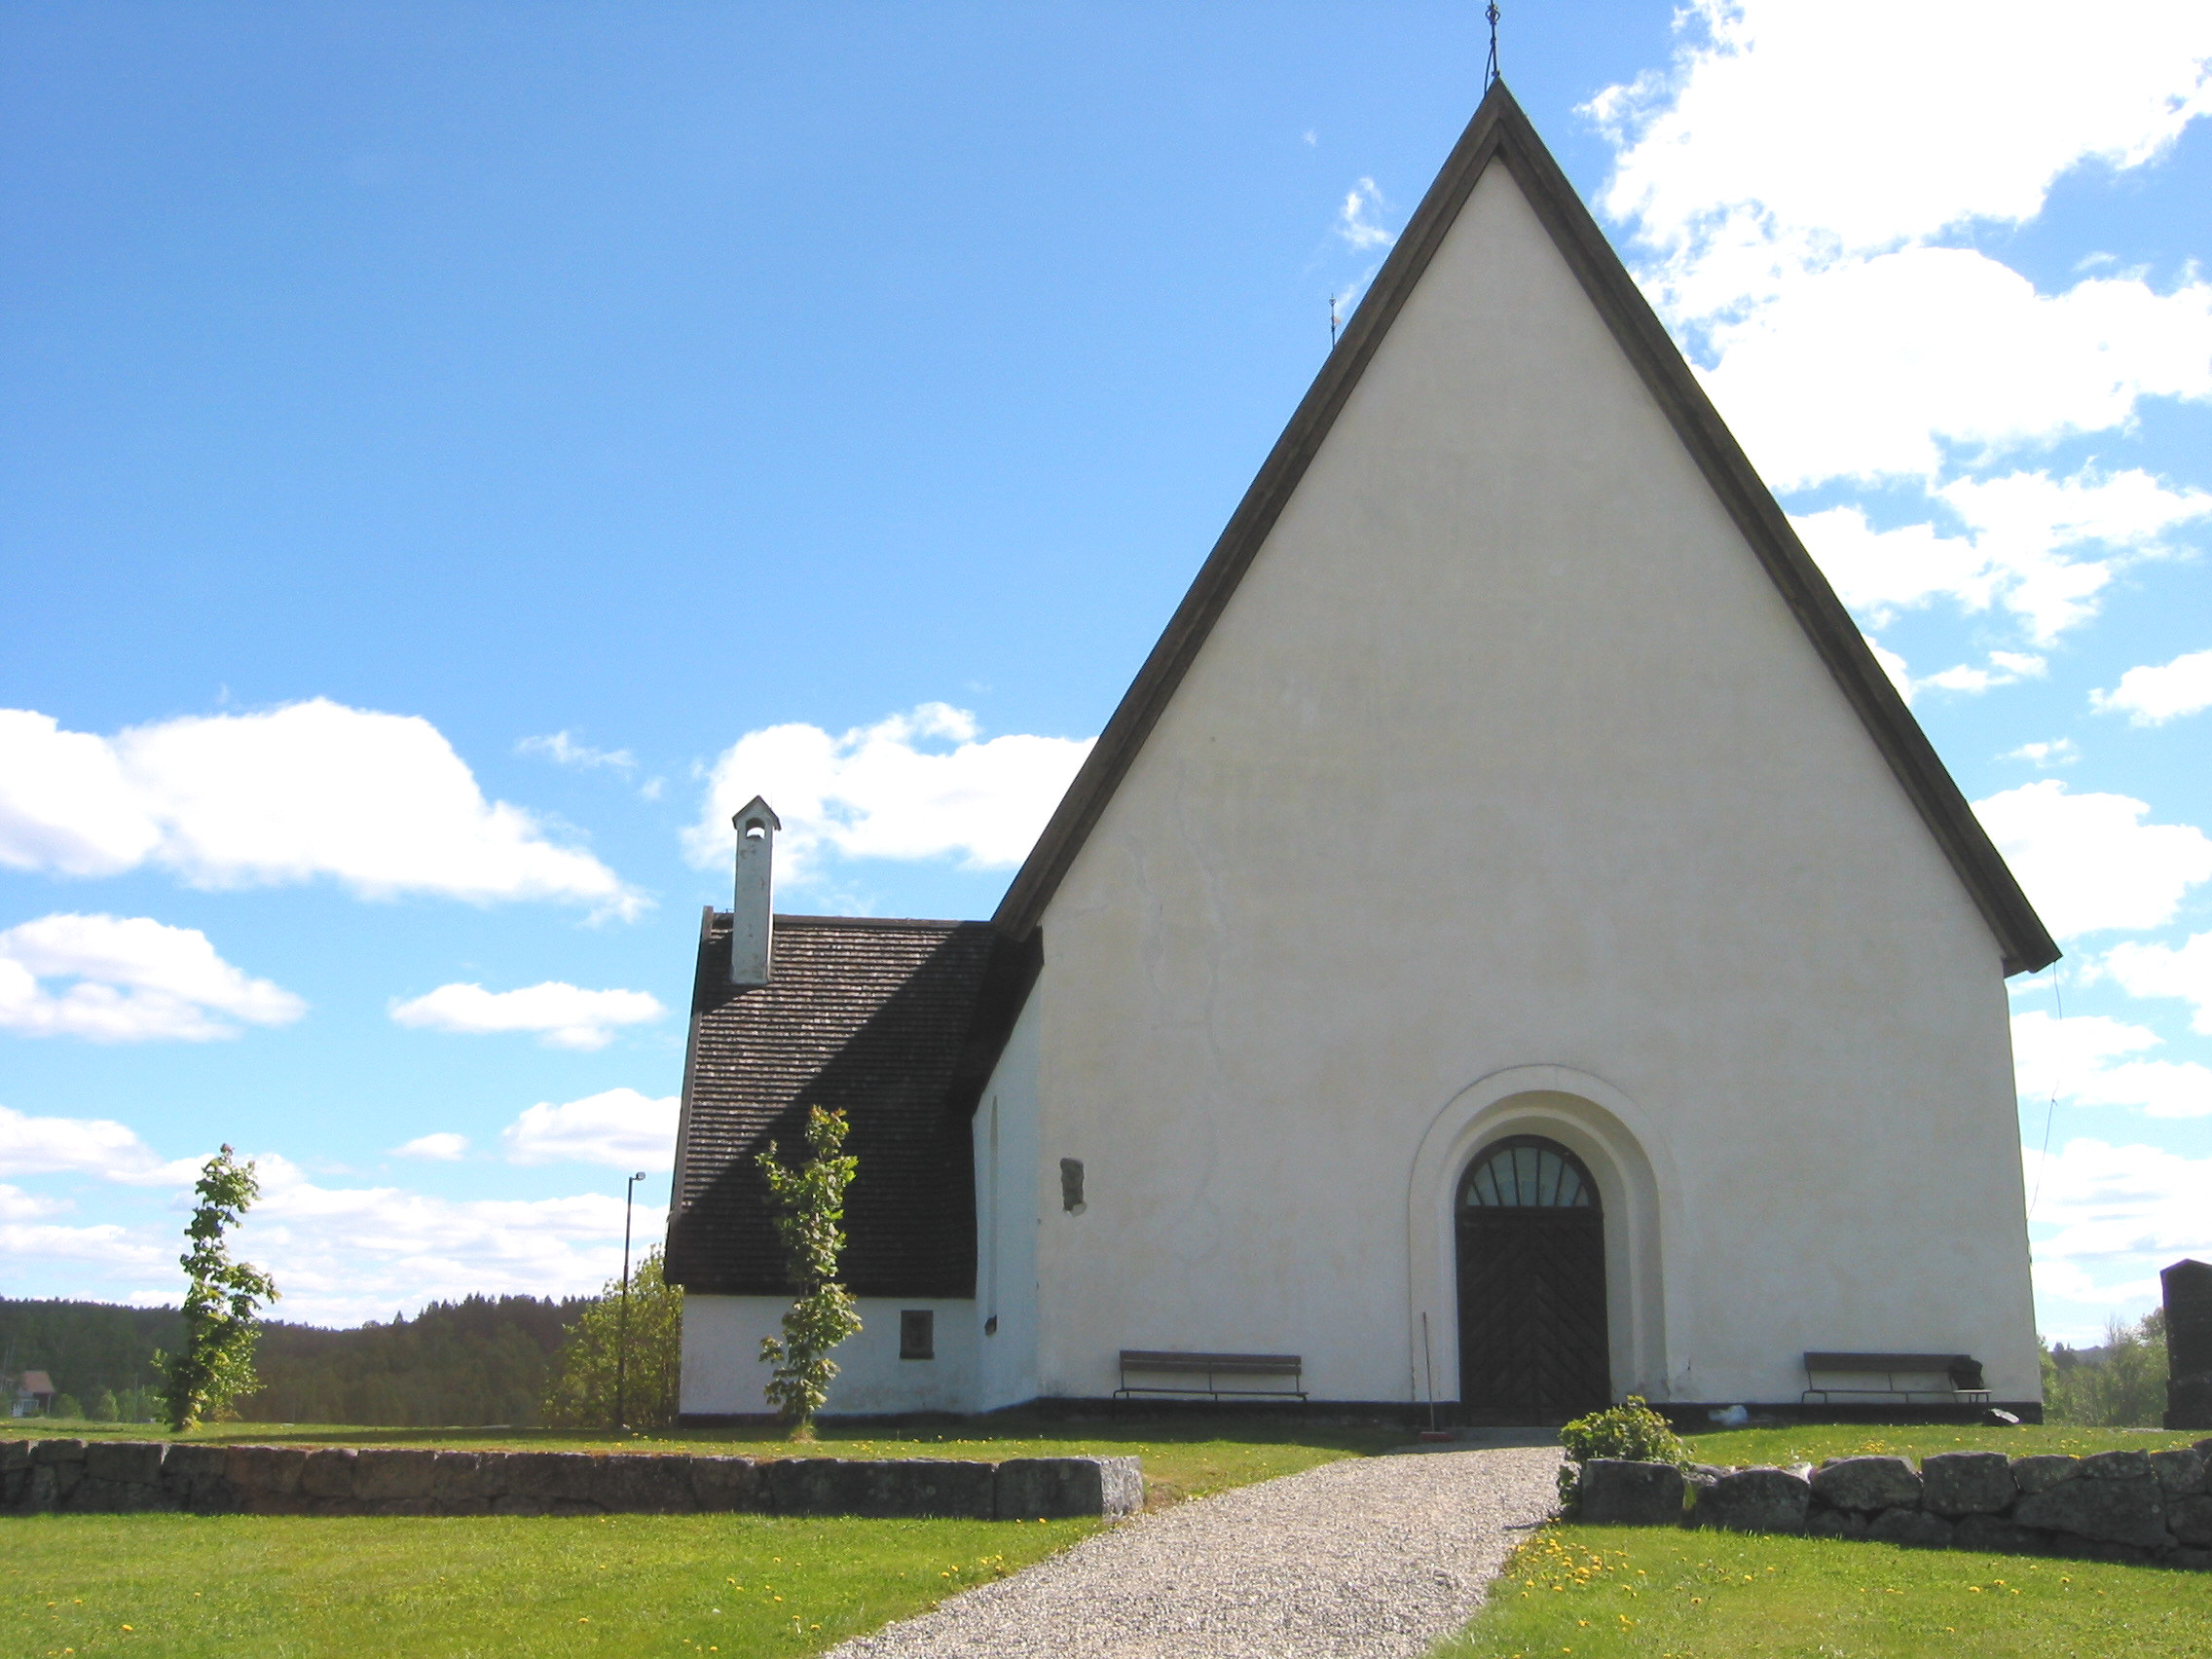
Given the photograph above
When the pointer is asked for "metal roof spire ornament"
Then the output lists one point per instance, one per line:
(1490, 70)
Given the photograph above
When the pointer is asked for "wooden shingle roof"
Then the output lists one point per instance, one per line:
(895, 1023)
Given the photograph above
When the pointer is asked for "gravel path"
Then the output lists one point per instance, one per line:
(1371, 1557)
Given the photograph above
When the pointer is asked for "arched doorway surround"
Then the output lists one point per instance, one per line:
(1531, 1282)
(1626, 1155)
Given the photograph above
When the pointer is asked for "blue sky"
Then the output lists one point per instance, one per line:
(446, 452)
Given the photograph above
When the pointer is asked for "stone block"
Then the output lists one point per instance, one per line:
(15, 1454)
(951, 1488)
(816, 1486)
(58, 1466)
(1757, 1500)
(2039, 1473)
(1995, 1535)
(2193, 1560)
(642, 1482)
(548, 1478)
(260, 1472)
(383, 1474)
(518, 1504)
(95, 1497)
(1026, 1489)
(328, 1472)
(2179, 1471)
(1868, 1484)
(2190, 1519)
(192, 1475)
(1967, 1483)
(461, 1482)
(727, 1486)
(1913, 1527)
(131, 1462)
(1821, 1522)
(1621, 1493)
(2104, 1511)
(2128, 1465)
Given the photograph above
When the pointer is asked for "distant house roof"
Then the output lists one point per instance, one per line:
(896, 1022)
(1500, 133)
(36, 1382)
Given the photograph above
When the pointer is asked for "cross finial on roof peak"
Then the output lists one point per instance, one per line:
(1490, 70)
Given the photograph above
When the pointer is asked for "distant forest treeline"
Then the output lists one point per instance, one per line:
(481, 1361)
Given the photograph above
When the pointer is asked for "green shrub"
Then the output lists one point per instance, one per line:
(1631, 1429)
(2120, 1386)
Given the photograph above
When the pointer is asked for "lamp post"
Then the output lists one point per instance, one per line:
(622, 1323)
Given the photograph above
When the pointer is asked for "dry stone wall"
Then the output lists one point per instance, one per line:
(2133, 1506)
(109, 1477)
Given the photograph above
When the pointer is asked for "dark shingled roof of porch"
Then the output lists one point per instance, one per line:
(896, 1022)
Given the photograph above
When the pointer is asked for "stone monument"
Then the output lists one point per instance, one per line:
(2188, 1286)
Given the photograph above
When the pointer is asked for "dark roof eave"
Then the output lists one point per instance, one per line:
(1500, 132)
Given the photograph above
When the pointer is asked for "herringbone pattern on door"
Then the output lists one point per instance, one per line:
(1532, 1311)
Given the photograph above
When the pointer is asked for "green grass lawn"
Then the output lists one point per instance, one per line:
(1187, 1457)
(630, 1584)
(265, 1587)
(1660, 1593)
(1811, 1443)
(1654, 1593)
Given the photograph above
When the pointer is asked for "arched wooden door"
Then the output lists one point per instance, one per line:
(1531, 1238)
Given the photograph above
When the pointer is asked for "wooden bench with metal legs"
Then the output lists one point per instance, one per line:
(1963, 1373)
(1213, 1368)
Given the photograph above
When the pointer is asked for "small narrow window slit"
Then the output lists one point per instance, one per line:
(917, 1333)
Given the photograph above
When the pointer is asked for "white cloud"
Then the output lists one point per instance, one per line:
(87, 1146)
(1927, 349)
(1892, 122)
(15, 1204)
(340, 1255)
(620, 1128)
(1360, 220)
(2025, 533)
(877, 793)
(2086, 1060)
(1791, 223)
(2163, 971)
(2089, 862)
(346, 1254)
(107, 1245)
(134, 980)
(2154, 695)
(2058, 752)
(2119, 1211)
(443, 1148)
(380, 802)
(565, 1016)
(563, 751)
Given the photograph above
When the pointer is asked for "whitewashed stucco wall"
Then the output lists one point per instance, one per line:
(723, 1374)
(1507, 753)
(1008, 1215)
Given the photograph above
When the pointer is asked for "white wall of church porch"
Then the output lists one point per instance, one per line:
(724, 1375)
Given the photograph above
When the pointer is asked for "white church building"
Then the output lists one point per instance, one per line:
(1512, 946)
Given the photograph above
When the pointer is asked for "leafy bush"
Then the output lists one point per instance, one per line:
(584, 1387)
(2120, 1386)
(1631, 1429)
